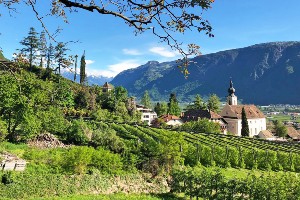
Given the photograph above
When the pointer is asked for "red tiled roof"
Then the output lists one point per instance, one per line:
(235, 111)
(168, 117)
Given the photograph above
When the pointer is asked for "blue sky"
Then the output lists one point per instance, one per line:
(111, 45)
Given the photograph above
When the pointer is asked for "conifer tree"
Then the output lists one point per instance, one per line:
(82, 69)
(161, 108)
(50, 55)
(146, 101)
(31, 43)
(75, 72)
(213, 103)
(173, 107)
(245, 126)
(60, 56)
(198, 104)
(42, 47)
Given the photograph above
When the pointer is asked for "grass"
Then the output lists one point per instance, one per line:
(16, 149)
(283, 118)
(119, 196)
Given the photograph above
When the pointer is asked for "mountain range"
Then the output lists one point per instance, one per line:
(262, 74)
(92, 80)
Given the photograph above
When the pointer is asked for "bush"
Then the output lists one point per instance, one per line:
(107, 162)
(79, 133)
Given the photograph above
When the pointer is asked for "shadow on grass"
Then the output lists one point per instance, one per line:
(167, 196)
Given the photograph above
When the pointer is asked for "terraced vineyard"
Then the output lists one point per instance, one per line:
(222, 150)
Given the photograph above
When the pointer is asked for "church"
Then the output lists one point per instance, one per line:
(232, 114)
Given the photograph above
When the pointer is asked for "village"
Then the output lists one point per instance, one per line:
(229, 119)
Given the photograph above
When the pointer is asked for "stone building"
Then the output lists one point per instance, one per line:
(107, 87)
(232, 113)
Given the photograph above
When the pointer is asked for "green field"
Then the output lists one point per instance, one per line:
(113, 197)
(283, 118)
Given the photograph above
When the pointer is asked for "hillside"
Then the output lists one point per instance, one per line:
(263, 74)
(78, 140)
(2, 56)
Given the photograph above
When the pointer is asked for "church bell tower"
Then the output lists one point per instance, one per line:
(231, 98)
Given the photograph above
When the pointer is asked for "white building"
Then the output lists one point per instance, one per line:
(232, 113)
(171, 120)
(148, 115)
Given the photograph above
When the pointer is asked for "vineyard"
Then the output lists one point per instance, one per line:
(219, 150)
(198, 165)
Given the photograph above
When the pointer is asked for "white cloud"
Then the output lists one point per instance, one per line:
(132, 52)
(89, 62)
(162, 51)
(113, 70)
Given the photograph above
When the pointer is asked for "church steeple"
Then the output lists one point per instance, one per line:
(231, 98)
(231, 89)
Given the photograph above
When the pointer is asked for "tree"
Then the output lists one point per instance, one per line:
(245, 126)
(50, 55)
(20, 101)
(75, 71)
(82, 69)
(173, 107)
(31, 43)
(146, 101)
(198, 104)
(60, 56)
(201, 126)
(163, 19)
(121, 94)
(280, 128)
(43, 47)
(79, 133)
(131, 106)
(213, 103)
(82, 98)
(161, 108)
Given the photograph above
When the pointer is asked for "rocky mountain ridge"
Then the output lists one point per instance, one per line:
(263, 74)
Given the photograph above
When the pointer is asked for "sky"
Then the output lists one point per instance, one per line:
(111, 46)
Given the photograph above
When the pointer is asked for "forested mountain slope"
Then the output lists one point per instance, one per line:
(262, 74)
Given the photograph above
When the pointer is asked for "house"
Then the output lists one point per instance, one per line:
(148, 115)
(107, 87)
(195, 115)
(232, 114)
(266, 134)
(171, 120)
(292, 133)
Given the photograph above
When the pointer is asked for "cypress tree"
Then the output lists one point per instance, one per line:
(75, 73)
(245, 126)
(82, 69)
